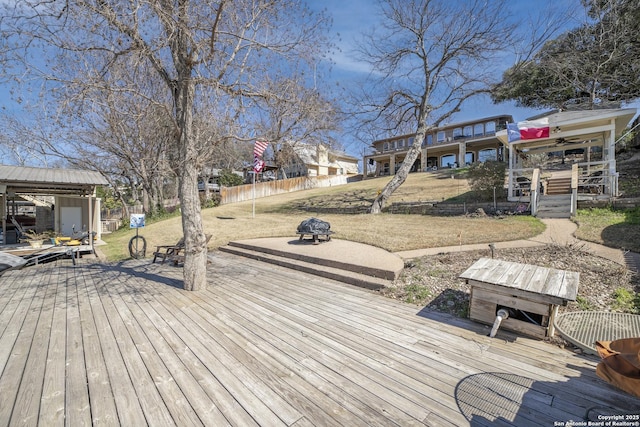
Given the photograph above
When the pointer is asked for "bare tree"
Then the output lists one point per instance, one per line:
(428, 57)
(214, 50)
(292, 115)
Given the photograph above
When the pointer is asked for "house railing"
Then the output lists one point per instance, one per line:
(535, 192)
(519, 184)
(574, 189)
(595, 179)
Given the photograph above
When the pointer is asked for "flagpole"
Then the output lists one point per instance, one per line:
(258, 166)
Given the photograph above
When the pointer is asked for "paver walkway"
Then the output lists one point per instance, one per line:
(558, 231)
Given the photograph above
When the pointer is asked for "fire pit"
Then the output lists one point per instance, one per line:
(315, 227)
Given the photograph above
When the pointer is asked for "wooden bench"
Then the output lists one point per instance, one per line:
(533, 293)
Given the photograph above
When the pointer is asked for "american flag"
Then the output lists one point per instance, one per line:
(259, 148)
(258, 164)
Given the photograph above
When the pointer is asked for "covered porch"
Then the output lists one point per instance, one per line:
(575, 158)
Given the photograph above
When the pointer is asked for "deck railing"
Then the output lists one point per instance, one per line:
(535, 193)
(595, 179)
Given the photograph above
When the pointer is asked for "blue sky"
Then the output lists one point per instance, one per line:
(352, 17)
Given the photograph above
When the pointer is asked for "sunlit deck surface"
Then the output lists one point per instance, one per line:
(123, 344)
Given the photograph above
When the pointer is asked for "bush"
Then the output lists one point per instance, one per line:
(487, 176)
(211, 202)
(230, 179)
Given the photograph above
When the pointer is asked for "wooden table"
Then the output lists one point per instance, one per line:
(532, 293)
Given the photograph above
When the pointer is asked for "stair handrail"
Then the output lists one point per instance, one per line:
(534, 193)
(574, 189)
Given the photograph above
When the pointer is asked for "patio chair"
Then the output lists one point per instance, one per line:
(168, 251)
(20, 232)
(178, 256)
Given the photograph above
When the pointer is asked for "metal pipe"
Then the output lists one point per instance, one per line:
(503, 313)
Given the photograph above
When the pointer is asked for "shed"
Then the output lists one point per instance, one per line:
(73, 190)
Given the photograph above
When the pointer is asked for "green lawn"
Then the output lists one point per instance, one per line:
(614, 228)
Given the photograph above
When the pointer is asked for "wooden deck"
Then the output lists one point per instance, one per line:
(123, 344)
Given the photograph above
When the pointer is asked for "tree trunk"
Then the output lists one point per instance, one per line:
(195, 262)
(400, 176)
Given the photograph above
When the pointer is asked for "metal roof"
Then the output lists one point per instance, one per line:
(42, 180)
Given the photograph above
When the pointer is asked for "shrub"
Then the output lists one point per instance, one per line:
(487, 176)
(211, 202)
(626, 301)
(230, 179)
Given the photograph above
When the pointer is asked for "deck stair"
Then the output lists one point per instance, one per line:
(554, 206)
(557, 186)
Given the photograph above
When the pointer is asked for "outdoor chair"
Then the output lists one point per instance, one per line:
(178, 256)
(168, 251)
(20, 232)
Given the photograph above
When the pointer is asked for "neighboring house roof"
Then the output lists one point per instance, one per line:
(309, 155)
(51, 181)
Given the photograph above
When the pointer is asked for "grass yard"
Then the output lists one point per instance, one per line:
(278, 216)
(614, 228)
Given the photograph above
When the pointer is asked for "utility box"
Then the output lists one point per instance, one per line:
(532, 294)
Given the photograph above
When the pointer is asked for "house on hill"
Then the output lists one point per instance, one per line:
(319, 160)
(562, 157)
(447, 146)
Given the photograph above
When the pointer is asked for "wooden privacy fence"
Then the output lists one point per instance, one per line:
(243, 193)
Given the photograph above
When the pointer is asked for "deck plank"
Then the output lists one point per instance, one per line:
(15, 343)
(27, 399)
(263, 345)
(52, 404)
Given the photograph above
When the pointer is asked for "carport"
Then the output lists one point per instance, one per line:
(75, 203)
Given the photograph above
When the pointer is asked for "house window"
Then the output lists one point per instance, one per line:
(441, 136)
(468, 158)
(392, 145)
(478, 130)
(400, 143)
(490, 128)
(410, 141)
(457, 133)
(487, 154)
(448, 161)
(386, 146)
(467, 131)
(429, 140)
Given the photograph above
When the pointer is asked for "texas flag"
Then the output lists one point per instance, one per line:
(529, 129)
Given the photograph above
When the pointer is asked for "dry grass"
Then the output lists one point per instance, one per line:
(278, 216)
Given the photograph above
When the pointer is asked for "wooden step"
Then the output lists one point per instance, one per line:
(558, 186)
(554, 206)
